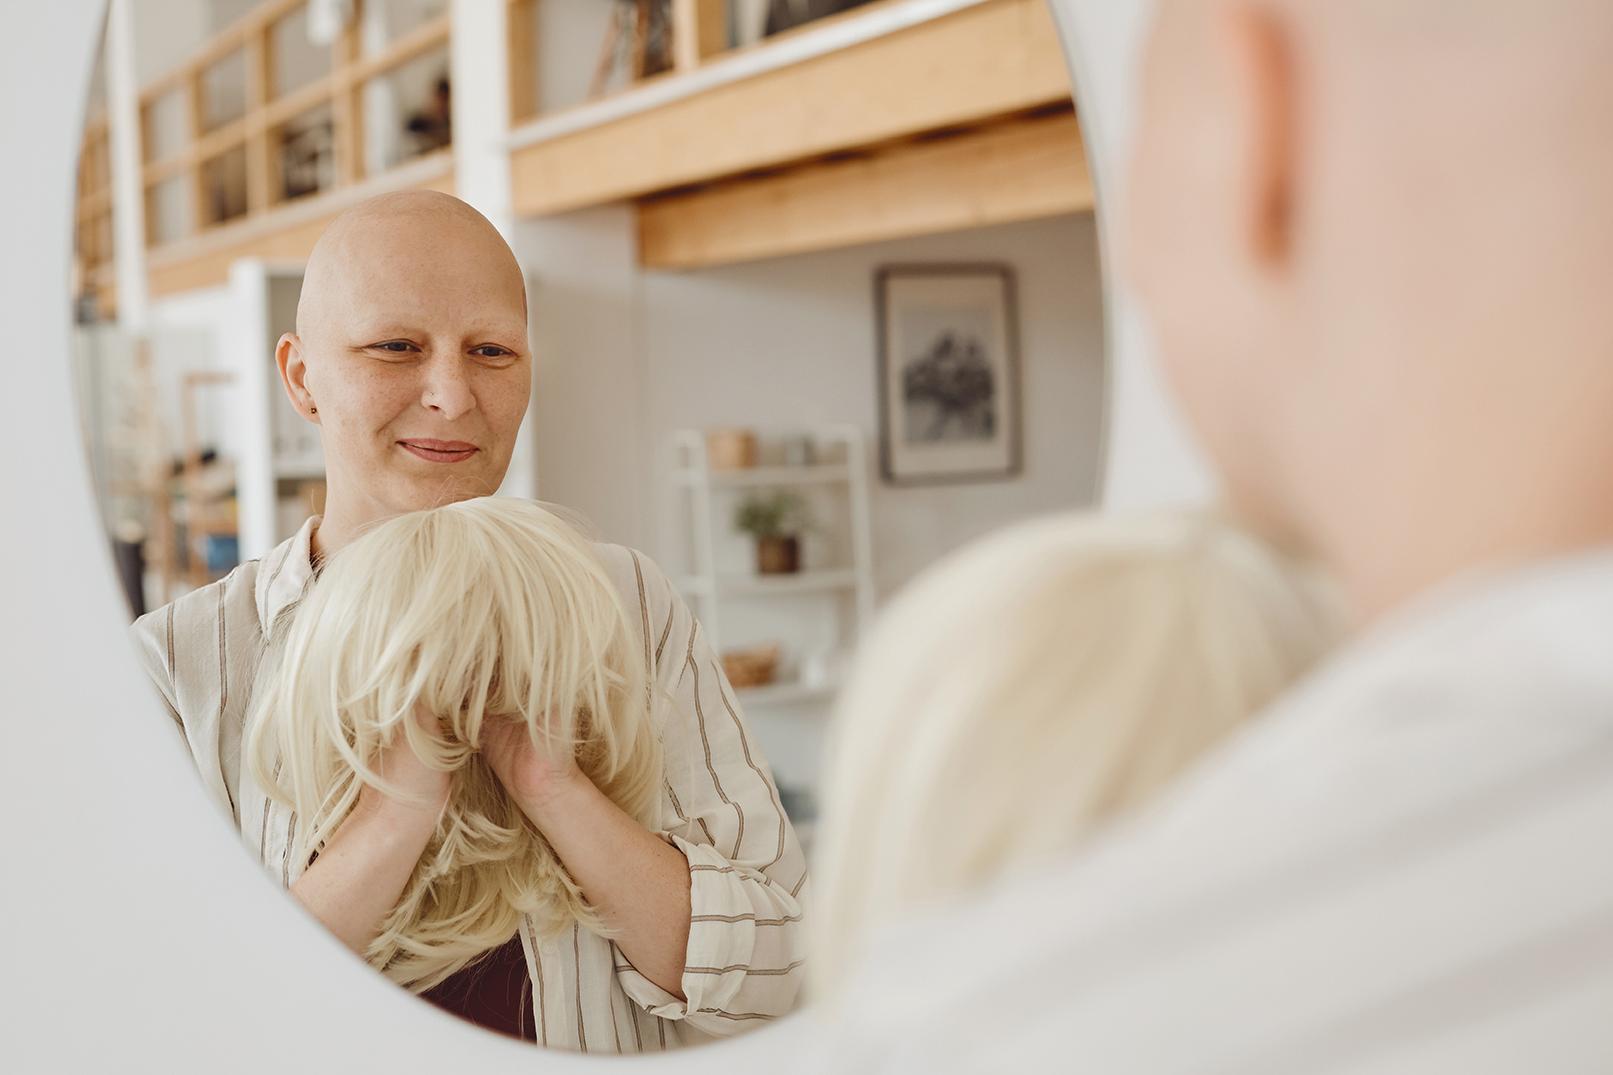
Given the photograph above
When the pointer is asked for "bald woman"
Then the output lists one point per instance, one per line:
(1376, 242)
(410, 354)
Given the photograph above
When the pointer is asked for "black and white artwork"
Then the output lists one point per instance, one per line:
(949, 390)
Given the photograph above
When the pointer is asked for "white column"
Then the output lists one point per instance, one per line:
(479, 60)
(256, 388)
(1150, 456)
(128, 186)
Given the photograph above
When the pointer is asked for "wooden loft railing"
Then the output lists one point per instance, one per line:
(242, 199)
(894, 119)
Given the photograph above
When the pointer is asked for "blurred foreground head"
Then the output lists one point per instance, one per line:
(1036, 686)
(1375, 239)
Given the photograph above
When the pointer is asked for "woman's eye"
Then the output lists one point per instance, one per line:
(490, 350)
(395, 346)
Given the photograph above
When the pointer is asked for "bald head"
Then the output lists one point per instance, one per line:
(411, 356)
(1375, 239)
(389, 233)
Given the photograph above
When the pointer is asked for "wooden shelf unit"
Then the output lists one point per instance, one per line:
(895, 119)
(846, 586)
(92, 225)
(286, 234)
(789, 693)
(273, 230)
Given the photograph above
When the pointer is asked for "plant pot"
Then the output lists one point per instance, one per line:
(730, 449)
(778, 555)
(752, 667)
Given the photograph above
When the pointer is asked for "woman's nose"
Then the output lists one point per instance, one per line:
(447, 389)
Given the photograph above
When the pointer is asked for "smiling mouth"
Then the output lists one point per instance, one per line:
(439, 451)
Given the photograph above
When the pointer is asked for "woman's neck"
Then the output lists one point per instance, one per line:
(340, 524)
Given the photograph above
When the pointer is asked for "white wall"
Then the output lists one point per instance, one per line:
(625, 358)
(792, 342)
(588, 419)
(188, 334)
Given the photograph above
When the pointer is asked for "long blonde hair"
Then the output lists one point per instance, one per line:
(1034, 685)
(476, 610)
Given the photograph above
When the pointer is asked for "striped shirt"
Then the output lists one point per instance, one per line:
(1404, 866)
(720, 809)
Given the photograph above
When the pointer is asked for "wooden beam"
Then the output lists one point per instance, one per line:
(346, 108)
(521, 23)
(196, 177)
(202, 148)
(291, 105)
(103, 283)
(1017, 170)
(993, 58)
(259, 90)
(699, 30)
(94, 203)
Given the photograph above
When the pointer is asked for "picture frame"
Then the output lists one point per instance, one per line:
(948, 373)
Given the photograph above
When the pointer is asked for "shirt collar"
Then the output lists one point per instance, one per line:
(1543, 625)
(285, 573)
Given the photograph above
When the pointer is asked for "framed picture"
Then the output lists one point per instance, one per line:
(948, 373)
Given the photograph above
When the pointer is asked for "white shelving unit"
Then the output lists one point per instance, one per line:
(763, 585)
(706, 494)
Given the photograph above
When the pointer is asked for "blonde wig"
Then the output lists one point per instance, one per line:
(484, 610)
(1034, 685)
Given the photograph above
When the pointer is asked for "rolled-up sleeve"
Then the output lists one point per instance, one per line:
(747, 875)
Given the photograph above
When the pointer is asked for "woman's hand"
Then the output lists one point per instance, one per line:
(362, 870)
(636, 881)
(419, 788)
(533, 777)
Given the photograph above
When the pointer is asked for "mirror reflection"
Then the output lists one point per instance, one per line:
(503, 463)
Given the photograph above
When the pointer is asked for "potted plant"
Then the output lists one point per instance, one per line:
(775, 520)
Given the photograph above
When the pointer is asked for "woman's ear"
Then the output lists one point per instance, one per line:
(288, 356)
(1256, 50)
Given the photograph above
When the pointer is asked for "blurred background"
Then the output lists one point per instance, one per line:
(814, 284)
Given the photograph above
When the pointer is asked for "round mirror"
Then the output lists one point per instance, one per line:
(794, 331)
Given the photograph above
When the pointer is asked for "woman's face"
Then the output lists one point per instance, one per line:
(414, 360)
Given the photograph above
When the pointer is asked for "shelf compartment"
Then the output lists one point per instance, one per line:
(751, 477)
(785, 694)
(772, 585)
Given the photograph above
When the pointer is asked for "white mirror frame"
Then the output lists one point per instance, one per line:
(141, 936)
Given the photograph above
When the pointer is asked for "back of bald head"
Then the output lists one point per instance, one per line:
(423, 221)
(1500, 101)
